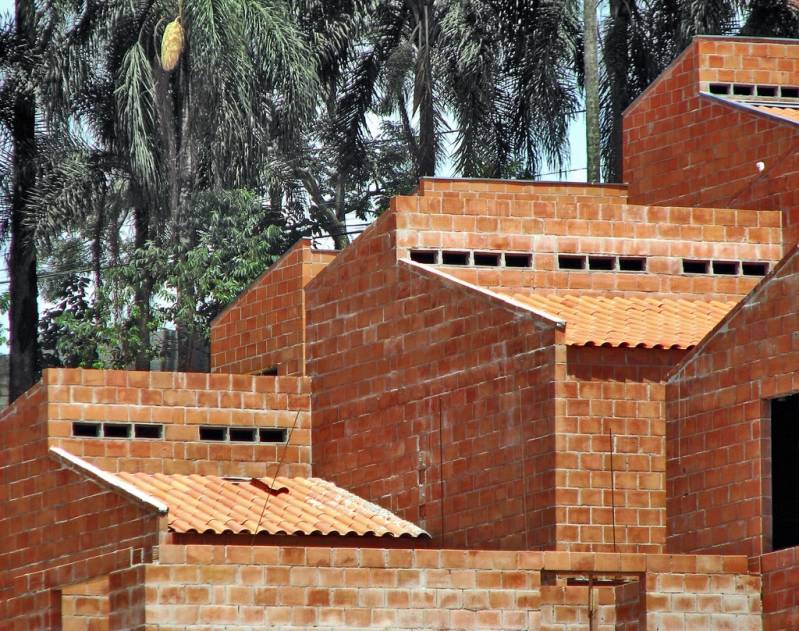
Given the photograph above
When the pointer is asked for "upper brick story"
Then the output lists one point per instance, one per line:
(720, 128)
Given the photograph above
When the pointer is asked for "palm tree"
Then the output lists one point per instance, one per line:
(498, 70)
(641, 38)
(35, 46)
(242, 86)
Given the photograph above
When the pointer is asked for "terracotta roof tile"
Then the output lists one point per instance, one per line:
(306, 506)
(638, 322)
(787, 112)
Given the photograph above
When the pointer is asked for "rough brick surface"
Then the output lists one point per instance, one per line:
(545, 221)
(780, 589)
(686, 149)
(718, 449)
(264, 329)
(57, 528)
(425, 389)
(334, 588)
(182, 402)
(611, 494)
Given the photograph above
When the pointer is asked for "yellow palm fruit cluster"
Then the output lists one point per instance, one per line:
(171, 45)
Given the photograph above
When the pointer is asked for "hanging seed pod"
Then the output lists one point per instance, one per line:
(171, 45)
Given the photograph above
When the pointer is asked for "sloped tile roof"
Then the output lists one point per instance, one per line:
(635, 322)
(787, 112)
(283, 506)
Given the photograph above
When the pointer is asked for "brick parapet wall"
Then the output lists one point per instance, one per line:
(687, 149)
(264, 328)
(401, 359)
(718, 431)
(181, 402)
(57, 528)
(335, 588)
(494, 222)
(604, 505)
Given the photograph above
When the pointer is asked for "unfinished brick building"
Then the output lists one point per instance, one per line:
(507, 405)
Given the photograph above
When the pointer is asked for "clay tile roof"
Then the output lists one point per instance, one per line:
(787, 112)
(635, 322)
(304, 506)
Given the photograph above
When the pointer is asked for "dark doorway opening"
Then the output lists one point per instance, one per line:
(785, 471)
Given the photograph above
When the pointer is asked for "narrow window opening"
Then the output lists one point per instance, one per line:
(601, 263)
(427, 257)
(242, 434)
(727, 268)
(116, 430)
(571, 262)
(213, 433)
(632, 264)
(719, 88)
(272, 434)
(455, 258)
(267, 372)
(86, 430)
(742, 90)
(518, 260)
(751, 268)
(787, 92)
(148, 430)
(766, 90)
(785, 471)
(490, 259)
(695, 267)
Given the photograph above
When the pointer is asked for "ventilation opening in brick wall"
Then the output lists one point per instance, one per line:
(601, 263)
(632, 264)
(213, 433)
(569, 262)
(785, 472)
(754, 269)
(478, 258)
(455, 258)
(518, 260)
(86, 429)
(428, 257)
(756, 90)
(725, 268)
(487, 259)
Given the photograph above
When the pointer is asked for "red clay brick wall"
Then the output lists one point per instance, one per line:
(56, 527)
(298, 588)
(182, 402)
(780, 589)
(546, 221)
(718, 474)
(618, 390)
(682, 148)
(400, 358)
(86, 606)
(265, 327)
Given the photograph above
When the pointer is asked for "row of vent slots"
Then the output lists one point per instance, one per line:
(739, 89)
(638, 264)
(602, 263)
(483, 259)
(83, 429)
(726, 268)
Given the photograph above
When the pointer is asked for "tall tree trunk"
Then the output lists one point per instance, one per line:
(142, 295)
(590, 65)
(617, 61)
(427, 116)
(24, 310)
